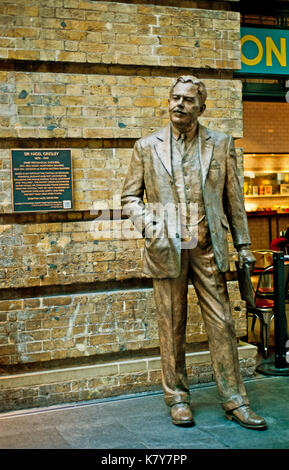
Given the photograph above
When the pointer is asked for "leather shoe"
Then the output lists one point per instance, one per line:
(181, 415)
(246, 418)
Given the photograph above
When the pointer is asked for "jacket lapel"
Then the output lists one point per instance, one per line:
(162, 148)
(206, 146)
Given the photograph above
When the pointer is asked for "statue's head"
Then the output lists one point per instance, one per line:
(187, 101)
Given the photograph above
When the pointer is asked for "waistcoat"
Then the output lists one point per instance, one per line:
(187, 178)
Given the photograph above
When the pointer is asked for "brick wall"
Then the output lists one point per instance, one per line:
(265, 129)
(97, 174)
(259, 228)
(108, 33)
(46, 105)
(64, 253)
(94, 324)
(94, 77)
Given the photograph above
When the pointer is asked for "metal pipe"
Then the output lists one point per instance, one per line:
(280, 321)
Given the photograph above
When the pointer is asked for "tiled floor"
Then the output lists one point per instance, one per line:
(142, 421)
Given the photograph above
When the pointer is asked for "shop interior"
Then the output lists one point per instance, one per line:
(265, 145)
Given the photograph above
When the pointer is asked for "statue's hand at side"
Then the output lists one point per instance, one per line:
(245, 256)
(149, 230)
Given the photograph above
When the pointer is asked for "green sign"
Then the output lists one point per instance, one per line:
(264, 51)
(41, 180)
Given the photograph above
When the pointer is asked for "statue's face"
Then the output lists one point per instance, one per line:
(184, 105)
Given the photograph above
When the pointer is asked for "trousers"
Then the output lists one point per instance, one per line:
(198, 264)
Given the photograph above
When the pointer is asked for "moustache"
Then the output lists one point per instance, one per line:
(177, 110)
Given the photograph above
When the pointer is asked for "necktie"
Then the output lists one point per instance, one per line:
(183, 143)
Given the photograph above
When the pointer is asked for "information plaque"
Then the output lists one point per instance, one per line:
(41, 180)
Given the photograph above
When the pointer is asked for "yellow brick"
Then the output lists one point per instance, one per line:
(48, 55)
(48, 44)
(5, 133)
(52, 301)
(22, 11)
(94, 26)
(88, 5)
(69, 13)
(64, 56)
(169, 51)
(93, 47)
(97, 133)
(69, 35)
(24, 55)
(78, 237)
(54, 227)
(145, 19)
(5, 42)
(8, 305)
(4, 53)
(21, 32)
(151, 102)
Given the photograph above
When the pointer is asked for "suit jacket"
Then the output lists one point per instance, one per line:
(150, 170)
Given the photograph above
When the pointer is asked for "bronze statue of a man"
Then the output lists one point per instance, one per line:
(183, 166)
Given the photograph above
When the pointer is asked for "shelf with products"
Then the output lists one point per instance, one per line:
(265, 195)
(266, 182)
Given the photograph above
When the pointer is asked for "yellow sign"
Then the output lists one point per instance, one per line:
(264, 51)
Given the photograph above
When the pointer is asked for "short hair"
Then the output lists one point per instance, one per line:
(202, 92)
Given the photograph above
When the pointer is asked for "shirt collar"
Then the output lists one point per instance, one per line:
(189, 135)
